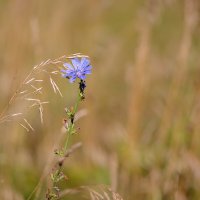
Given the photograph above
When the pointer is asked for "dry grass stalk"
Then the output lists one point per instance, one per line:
(28, 89)
(99, 192)
(140, 76)
(190, 22)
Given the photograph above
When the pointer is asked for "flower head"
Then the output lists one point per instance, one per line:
(78, 68)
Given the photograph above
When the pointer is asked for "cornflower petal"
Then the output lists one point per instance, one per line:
(78, 69)
(72, 79)
(89, 67)
(63, 70)
(82, 77)
(85, 62)
(68, 66)
(75, 62)
(70, 74)
(87, 72)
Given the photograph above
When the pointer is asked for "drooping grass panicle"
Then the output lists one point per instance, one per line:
(31, 90)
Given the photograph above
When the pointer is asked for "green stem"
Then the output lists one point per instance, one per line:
(77, 104)
(67, 141)
(69, 133)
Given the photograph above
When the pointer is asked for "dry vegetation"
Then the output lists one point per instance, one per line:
(140, 135)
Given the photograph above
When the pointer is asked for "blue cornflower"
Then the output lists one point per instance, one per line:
(78, 69)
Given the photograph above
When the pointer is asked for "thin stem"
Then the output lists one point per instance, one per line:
(57, 175)
(77, 104)
(71, 125)
(67, 141)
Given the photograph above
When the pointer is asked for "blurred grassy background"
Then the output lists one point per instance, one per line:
(141, 134)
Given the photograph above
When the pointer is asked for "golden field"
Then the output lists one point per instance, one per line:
(141, 117)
